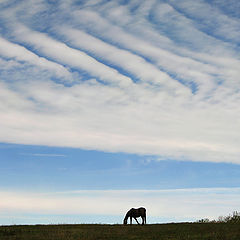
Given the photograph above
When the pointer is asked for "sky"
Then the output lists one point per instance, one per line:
(109, 105)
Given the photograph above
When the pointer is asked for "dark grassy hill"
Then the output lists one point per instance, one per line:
(173, 231)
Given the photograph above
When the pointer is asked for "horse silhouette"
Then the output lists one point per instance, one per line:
(135, 213)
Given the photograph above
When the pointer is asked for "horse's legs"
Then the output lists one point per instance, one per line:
(145, 221)
(136, 220)
(130, 220)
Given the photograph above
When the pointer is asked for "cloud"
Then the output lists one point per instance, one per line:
(44, 154)
(195, 203)
(74, 58)
(144, 78)
(14, 51)
(136, 65)
(205, 15)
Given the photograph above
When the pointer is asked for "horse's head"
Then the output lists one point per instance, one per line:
(128, 214)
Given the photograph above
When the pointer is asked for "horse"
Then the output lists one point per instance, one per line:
(135, 213)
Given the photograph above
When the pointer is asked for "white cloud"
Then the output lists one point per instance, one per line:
(44, 154)
(195, 203)
(20, 53)
(205, 15)
(183, 65)
(74, 58)
(136, 65)
(133, 87)
(131, 121)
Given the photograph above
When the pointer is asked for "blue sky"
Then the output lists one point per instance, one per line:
(117, 104)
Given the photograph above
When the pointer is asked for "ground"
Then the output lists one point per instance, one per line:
(173, 231)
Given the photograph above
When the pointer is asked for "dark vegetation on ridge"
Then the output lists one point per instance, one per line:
(172, 231)
(225, 228)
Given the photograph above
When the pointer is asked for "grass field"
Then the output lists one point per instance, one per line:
(173, 231)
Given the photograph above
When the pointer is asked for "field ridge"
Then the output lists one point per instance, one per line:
(170, 231)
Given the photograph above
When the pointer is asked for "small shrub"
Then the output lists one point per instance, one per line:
(231, 218)
(204, 220)
(234, 218)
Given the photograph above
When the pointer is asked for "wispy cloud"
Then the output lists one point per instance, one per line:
(44, 154)
(19, 53)
(146, 77)
(195, 203)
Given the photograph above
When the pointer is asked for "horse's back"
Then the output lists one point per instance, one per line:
(138, 212)
(142, 210)
(139, 209)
